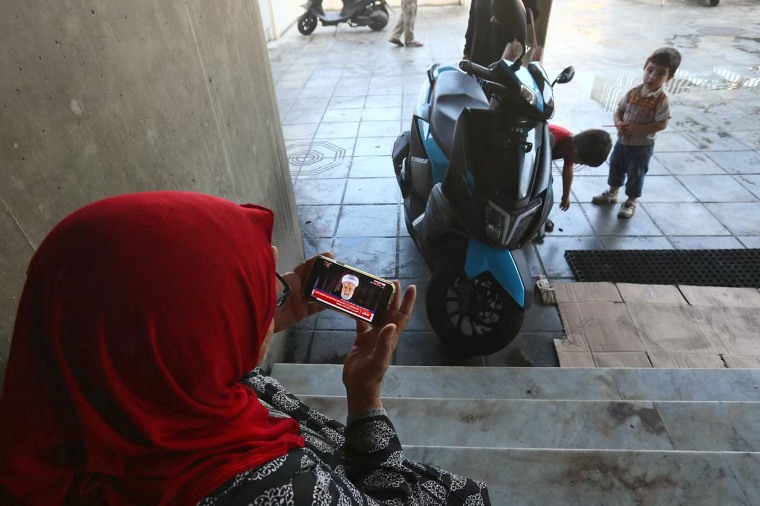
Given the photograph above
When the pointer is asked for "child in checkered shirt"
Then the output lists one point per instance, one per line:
(642, 112)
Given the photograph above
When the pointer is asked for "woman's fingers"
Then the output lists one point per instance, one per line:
(404, 311)
(302, 270)
(396, 302)
(379, 342)
(386, 343)
(301, 306)
(363, 335)
(368, 360)
(399, 321)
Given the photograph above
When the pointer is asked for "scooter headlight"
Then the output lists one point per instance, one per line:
(495, 223)
(528, 95)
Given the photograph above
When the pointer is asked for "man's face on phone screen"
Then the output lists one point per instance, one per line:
(348, 290)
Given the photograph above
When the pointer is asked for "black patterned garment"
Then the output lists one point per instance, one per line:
(359, 464)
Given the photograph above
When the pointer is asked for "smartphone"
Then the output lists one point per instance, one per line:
(348, 290)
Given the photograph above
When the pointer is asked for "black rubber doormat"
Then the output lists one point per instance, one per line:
(701, 267)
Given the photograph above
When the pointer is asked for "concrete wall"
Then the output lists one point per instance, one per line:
(101, 98)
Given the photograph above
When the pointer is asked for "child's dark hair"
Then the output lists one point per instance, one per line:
(592, 146)
(666, 57)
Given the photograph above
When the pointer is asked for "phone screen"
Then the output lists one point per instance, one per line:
(348, 290)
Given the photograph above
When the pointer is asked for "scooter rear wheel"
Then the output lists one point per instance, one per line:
(484, 324)
(379, 19)
(307, 23)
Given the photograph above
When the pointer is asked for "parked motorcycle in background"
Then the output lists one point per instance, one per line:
(371, 13)
(475, 175)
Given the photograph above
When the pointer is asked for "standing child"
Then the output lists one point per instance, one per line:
(641, 113)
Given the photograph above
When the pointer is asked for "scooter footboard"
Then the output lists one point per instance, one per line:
(482, 258)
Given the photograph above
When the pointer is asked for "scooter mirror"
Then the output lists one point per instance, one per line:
(565, 76)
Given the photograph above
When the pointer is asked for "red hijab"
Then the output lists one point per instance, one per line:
(140, 315)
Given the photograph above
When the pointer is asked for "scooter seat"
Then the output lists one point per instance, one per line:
(453, 91)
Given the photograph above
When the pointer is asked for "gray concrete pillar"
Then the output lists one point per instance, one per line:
(103, 98)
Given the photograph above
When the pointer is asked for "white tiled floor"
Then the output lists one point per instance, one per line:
(349, 87)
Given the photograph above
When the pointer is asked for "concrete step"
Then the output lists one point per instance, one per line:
(536, 383)
(571, 436)
(623, 425)
(539, 477)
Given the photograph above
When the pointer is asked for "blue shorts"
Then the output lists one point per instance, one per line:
(628, 166)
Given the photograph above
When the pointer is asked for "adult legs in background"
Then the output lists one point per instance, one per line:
(405, 24)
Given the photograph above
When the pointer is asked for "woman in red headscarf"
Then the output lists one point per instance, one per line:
(140, 316)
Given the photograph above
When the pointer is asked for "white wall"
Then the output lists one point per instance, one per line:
(266, 20)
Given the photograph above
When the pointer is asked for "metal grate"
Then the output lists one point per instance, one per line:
(718, 267)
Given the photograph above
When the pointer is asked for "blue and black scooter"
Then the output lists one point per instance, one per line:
(475, 175)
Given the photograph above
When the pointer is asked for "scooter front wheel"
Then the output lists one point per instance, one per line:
(472, 316)
(307, 23)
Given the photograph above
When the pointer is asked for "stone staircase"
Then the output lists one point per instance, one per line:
(571, 436)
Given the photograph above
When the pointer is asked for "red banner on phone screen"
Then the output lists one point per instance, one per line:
(349, 307)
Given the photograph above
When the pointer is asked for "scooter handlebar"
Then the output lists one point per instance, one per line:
(476, 70)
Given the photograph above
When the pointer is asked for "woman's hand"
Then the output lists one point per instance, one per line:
(371, 354)
(565, 203)
(297, 306)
